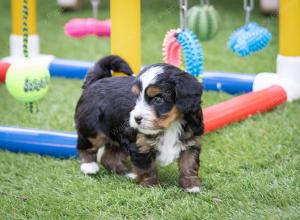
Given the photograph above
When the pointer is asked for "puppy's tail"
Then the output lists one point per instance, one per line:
(103, 68)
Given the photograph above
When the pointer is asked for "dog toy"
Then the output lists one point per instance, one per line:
(81, 27)
(28, 79)
(204, 20)
(250, 38)
(192, 51)
(78, 28)
(177, 40)
(172, 48)
(183, 39)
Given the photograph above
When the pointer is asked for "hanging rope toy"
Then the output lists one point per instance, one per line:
(28, 79)
(249, 38)
(204, 20)
(184, 40)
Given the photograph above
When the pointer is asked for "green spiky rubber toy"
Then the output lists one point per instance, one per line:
(204, 21)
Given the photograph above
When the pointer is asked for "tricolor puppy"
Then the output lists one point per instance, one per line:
(155, 116)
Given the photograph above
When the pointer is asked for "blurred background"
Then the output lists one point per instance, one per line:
(157, 18)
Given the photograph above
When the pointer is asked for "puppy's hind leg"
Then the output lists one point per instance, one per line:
(87, 149)
(113, 158)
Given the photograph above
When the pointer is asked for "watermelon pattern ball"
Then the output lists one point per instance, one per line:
(204, 21)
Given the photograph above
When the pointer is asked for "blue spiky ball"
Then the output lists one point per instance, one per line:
(249, 39)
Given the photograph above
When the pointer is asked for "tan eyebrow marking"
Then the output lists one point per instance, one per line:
(153, 91)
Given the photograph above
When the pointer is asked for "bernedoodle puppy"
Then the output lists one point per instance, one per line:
(155, 116)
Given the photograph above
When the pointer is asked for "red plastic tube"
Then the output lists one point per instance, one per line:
(3, 69)
(241, 107)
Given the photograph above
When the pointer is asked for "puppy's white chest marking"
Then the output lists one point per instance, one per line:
(169, 146)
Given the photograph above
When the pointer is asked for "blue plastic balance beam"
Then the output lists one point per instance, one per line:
(232, 83)
(69, 68)
(59, 144)
(51, 143)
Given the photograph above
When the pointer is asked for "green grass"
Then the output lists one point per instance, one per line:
(250, 170)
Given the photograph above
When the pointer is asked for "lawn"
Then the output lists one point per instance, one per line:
(249, 170)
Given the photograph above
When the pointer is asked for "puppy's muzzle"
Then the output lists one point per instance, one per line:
(138, 119)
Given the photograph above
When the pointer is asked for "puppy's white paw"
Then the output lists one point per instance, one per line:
(131, 175)
(89, 168)
(195, 189)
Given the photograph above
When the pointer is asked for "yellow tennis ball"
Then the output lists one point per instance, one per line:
(28, 80)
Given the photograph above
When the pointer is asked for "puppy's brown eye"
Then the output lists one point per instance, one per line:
(157, 100)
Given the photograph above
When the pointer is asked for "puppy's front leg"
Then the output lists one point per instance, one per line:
(144, 167)
(146, 176)
(188, 169)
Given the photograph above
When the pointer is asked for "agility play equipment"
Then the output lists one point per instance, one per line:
(16, 38)
(232, 83)
(270, 90)
(27, 79)
(126, 31)
(121, 18)
(3, 69)
(249, 38)
(51, 143)
(243, 106)
(60, 144)
(288, 59)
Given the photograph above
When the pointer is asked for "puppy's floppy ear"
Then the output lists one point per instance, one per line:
(136, 87)
(188, 92)
(195, 122)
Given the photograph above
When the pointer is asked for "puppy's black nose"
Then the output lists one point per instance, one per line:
(138, 119)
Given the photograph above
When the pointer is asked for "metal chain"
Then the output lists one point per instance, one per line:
(95, 4)
(204, 2)
(25, 28)
(183, 5)
(248, 8)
